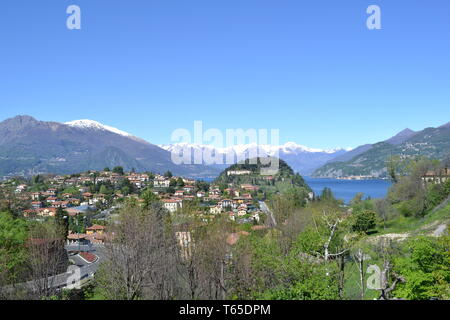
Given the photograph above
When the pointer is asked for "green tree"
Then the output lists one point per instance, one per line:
(393, 165)
(126, 186)
(426, 269)
(72, 190)
(327, 196)
(364, 220)
(38, 179)
(180, 183)
(125, 190)
(105, 190)
(149, 198)
(118, 170)
(62, 221)
(315, 282)
(168, 174)
(170, 190)
(173, 183)
(202, 185)
(13, 235)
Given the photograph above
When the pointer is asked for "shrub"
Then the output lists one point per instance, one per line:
(364, 220)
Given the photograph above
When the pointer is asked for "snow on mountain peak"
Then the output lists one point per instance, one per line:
(290, 147)
(91, 124)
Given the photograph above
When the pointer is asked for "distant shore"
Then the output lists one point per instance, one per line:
(354, 178)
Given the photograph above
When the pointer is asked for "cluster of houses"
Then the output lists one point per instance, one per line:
(95, 234)
(237, 207)
(45, 203)
(440, 176)
(235, 201)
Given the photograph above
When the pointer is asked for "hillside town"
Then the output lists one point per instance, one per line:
(89, 199)
(226, 233)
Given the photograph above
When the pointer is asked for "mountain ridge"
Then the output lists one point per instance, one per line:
(301, 158)
(430, 142)
(29, 146)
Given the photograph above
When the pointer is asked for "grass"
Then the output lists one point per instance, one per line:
(411, 224)
(352, 287)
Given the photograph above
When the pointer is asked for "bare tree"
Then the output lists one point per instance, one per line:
(190, 273)
(46, 258)
(297, 222)
(141, 256)
(206, 271)
(242, 271)
(214, 252)
(382, 209)
(189, 267)
(387, 286)
(359, 257)
(445, 163)
(389, 279)
(333, 220)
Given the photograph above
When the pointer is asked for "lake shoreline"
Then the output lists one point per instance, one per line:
(347, 189)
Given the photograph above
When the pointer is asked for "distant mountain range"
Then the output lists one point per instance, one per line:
(29, 147)
(302, 159)
(370, 159)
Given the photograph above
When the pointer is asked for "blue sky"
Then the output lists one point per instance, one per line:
(309, 68)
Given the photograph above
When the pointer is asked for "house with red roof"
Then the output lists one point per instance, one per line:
(95, 229)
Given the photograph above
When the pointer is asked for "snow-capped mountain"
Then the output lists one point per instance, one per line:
(91, 124)
(29, 147)
(301, 158)
(86, 124)
(288, 148)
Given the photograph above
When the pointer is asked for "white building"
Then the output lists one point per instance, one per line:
(239, 172)
(161, 183)
(172, 205)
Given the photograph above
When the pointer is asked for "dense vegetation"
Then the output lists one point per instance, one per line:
(285, 179)
(432, 143)
(392, 248)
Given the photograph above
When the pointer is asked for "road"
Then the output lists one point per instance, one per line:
(271, 222)
(440, 231)
(86, 269)
(105, 213)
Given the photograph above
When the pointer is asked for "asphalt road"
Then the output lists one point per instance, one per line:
(440, 230)
(106, 213)
(271, 221)
(85, 270)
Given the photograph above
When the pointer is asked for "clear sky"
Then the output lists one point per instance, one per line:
(309, 68)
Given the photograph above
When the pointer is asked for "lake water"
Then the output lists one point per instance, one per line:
(347, 189)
